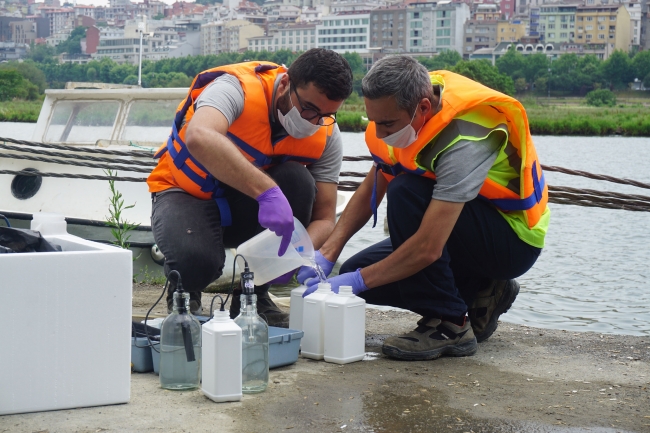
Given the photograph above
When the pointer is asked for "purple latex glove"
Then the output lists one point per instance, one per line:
(283, 279)
(276, 215)
(307, 272)
(353, 279)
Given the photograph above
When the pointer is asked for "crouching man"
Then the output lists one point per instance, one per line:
(467, 207)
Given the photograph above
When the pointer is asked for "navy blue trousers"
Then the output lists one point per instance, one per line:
(482, 247)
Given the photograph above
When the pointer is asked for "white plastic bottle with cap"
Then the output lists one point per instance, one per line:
(296, 305)
(345, 327)
(222, 359)
(313, 344)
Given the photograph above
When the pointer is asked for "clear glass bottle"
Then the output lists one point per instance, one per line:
(255, 346)
(180, 347)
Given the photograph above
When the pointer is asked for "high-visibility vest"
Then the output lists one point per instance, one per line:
(515, 182)
(250, 132)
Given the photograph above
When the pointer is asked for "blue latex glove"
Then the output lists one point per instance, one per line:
(353, 279)
(307, 272)
(276, 215)
(283, 279)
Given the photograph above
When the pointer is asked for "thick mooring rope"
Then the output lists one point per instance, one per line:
(557, 194)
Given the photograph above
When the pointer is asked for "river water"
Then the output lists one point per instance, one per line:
(593, 273)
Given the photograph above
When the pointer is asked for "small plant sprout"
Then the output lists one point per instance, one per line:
(120, 226)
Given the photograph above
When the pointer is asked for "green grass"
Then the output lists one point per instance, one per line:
(20, 111)
(628, 120)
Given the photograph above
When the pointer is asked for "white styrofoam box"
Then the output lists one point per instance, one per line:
(66, 334)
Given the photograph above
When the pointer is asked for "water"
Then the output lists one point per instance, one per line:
(593, 273)
(255, 361)
(175, 372)
(255, 347)
(319, 271)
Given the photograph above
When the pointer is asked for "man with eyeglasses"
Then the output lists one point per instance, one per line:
(253, 145)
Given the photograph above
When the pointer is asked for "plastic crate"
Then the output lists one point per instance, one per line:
(284, 346)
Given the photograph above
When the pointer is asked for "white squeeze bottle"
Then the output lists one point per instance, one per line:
(312, 343)
(296, 305)
(345, 327)
(222, 358)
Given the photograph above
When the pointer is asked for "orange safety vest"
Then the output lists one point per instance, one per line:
(250, 132)
(519, 188)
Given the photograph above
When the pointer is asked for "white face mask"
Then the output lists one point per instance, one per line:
(404, 137)
(296, 126)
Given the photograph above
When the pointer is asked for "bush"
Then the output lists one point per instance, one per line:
(601, 97)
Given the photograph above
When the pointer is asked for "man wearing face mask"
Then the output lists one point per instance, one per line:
(253, 145)
(467, 207)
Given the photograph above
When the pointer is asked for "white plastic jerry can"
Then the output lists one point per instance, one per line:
(296, 305)
(222, 359)
(312, 344)
(345, 327)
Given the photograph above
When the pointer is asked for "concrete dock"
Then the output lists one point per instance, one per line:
(522, 379)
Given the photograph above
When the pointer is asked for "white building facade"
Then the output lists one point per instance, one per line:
(345, 32)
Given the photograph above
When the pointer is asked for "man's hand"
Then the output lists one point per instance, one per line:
(307, 272)
(353, 279)
(276, 215)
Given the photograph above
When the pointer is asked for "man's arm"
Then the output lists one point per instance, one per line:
(323, 215)
(420, 250)
(207, 142)
(355, 216)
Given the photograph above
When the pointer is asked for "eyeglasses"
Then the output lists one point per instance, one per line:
(311, 114)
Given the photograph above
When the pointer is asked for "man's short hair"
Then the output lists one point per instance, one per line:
(400, 76)
(327, 69)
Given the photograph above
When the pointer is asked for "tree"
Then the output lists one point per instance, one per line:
(601, 97)
(512, 63)
(41, 53)
(72, 45)
(521, 85)
(617, 69)
(159, 16)
(355, 62)
(641, 64)
(30, 71)
(646, 81)
(486, 74)
(13, 85)
(445, 60)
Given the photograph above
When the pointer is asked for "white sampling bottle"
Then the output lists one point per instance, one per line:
(297, 303)
(345, 327)
(312, 343)
(222, 358)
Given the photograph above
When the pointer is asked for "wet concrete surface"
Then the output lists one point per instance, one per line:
(521, 380)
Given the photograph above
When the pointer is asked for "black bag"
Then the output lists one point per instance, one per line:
(13, 240)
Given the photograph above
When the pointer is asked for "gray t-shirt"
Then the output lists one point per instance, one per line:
(225, 94)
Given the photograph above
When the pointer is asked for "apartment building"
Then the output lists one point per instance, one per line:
(296, 37)
(479, 34)
(344, 32)
(533, 28)
(435, 27)
(557, 23)
(23, 32)
(227, 36)
(636, 14)
(607, 25)
(388, 28)
(486, 12)
(510, 31)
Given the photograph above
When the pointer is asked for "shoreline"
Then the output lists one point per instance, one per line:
(521, 379)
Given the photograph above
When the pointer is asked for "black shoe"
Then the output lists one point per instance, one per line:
(489, 305)
(195, 303)
(266, 308)
(432, 339)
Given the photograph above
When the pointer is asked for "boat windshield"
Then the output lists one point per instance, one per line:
(149, 120)
(82, 121)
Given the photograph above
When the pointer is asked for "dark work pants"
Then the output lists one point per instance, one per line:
(188, 230)
(481, 247)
